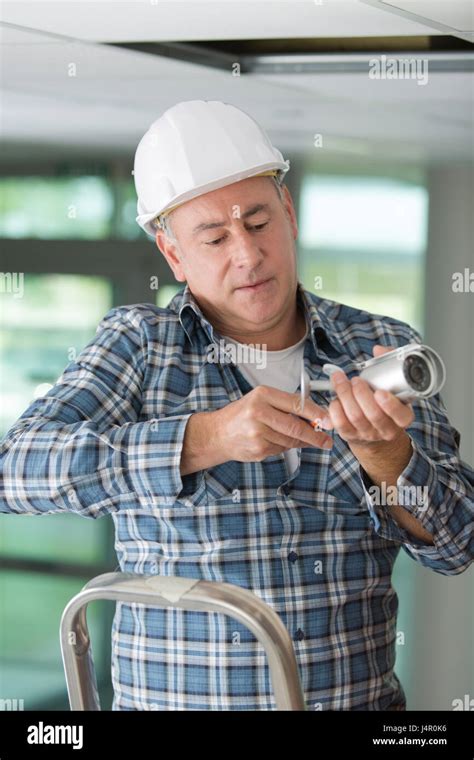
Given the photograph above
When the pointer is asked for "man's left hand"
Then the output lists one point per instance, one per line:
(364, 417)
(373, 424)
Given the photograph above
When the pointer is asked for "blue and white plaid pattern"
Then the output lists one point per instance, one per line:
(107, 438)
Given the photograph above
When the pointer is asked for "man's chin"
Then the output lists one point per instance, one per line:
(256, 316)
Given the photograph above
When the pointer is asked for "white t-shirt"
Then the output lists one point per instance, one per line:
(280, 369)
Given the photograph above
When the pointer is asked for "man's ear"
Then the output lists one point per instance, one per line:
(290, 209)
(170, 251)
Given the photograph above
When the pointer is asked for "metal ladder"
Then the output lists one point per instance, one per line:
(183, 593)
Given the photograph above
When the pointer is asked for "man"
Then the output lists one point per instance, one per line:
(211, 468)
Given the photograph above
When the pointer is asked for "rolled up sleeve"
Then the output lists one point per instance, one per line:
(446, 510)
(82, 448)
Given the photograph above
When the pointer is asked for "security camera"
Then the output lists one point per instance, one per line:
(410, 372)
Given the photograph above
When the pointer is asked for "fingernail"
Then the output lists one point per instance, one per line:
(322, 422)
(382, 396)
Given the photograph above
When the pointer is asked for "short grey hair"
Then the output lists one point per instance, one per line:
(163, 221)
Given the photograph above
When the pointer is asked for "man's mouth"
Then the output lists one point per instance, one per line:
(255, 286)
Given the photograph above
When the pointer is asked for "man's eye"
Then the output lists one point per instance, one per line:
(256, 227)
(215, 242)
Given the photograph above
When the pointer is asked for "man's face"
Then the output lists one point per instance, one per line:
(232, 238)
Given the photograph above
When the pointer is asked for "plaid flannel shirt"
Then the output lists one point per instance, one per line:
(107, 439)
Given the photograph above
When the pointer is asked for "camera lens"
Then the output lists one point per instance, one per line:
(417, 372)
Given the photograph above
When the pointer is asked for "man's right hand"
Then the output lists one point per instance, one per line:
(266, 421)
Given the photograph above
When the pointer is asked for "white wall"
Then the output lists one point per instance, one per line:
(443, 649)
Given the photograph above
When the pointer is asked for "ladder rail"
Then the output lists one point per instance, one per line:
(183, 593)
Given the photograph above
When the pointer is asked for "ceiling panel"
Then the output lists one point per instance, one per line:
(457, 14)
(67, 95)
(454, 17)
(150, 20)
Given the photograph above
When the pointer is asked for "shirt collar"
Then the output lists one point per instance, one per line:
(320, 314)
(190, 313)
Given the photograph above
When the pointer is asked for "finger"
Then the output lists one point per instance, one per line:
(291, 403)
(295, 428)
(286, 442)
(340, 421)
(402, 414)
(315, 414)
(352, 410)
(379, 350)
(383, 423)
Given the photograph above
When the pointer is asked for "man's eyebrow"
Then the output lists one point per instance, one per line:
(249, 212)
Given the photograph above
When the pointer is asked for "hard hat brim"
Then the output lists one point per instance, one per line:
(145, 220)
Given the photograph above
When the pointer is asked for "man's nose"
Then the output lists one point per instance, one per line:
(245, 249)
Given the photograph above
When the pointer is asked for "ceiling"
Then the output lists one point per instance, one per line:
(65, 92)
(450, 16)
(142, 20)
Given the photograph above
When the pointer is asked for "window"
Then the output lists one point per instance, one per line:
(31, 605)
(60, 207)
(77, 207)
(166, 293)
(45, 323)
(46, 559)
(362, 242)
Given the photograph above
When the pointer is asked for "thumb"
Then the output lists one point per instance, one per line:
(379, 350)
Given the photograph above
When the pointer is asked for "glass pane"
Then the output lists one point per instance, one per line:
(362, 242)
(126, 226)
(366, 214)
(79, 207)
(31, 606)
(59, 537)
(390, 288)
(42, 331)
(45, 325)
(166, 292)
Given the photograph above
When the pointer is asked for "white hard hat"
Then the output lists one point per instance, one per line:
(197, 146)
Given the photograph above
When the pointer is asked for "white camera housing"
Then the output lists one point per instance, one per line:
(411, 372)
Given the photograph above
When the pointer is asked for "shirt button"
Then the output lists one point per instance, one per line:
(292, 556)
(285, 490)
(299, 635)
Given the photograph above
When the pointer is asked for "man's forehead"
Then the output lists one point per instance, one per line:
(212, 207)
